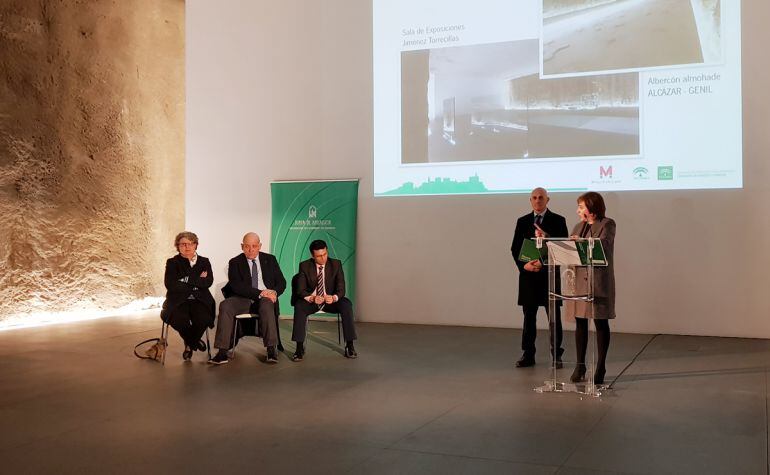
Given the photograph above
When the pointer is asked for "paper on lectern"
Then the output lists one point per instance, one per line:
(563, 253)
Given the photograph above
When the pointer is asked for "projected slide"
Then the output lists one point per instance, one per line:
(470, 120)
(605, 35)
(495, 96)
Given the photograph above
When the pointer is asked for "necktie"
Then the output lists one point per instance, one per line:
(254, 274)
(320, 288)
(539, 219)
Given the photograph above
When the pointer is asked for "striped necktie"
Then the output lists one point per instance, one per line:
(320, 289)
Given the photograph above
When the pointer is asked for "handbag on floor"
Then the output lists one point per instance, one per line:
(155, 351)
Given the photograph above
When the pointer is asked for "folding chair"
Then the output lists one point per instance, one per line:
(164, 338)
(339, 325)
(242, 316)
(227, 292)
(295, 297)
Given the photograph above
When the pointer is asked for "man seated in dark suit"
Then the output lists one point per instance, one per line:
(533, 277)
(254, 277)
(321, 286)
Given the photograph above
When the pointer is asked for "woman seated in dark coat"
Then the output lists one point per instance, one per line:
(189, 307)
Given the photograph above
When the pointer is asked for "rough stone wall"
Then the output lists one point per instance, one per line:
(91, 150)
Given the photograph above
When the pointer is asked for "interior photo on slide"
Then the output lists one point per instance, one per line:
(607, 35)
(488, 102)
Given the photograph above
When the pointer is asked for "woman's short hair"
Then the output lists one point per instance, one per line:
(594, 203)
(190, 236)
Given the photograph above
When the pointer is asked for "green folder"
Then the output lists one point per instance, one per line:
(598, 254)
(530, 252)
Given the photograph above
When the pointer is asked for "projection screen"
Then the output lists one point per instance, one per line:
(498, 96)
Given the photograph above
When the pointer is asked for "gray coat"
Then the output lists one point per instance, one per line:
(604, 277)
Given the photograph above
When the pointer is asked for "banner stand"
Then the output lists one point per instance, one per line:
(303, 211)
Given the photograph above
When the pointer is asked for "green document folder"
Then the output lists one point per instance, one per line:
(530, 252)
(598, 254)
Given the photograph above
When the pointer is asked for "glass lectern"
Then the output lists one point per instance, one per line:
(571, 264)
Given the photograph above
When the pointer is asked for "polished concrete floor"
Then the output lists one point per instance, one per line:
(420, 399)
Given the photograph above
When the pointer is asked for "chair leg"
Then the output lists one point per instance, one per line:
(164, 339)
(235, 335)
(278, 331)
(208, 344)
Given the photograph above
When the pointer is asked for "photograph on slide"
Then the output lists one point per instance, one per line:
(488, 102)
(591, 36)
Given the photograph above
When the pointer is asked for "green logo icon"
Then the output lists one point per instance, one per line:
(640, 173)
(666, 173)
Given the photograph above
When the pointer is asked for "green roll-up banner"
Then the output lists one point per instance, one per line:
(307, 210)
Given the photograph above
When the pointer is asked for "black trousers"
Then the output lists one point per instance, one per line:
(602, 341)
(529, 332)
(190, 319)
(302, 308)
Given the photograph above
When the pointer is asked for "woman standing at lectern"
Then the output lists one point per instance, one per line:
(593, 223)
(189, 307)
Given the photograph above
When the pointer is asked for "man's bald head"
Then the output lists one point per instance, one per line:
(251, 245)
(539, 200)
(251, 238)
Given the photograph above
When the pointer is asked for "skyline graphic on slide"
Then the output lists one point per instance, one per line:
(449, 186)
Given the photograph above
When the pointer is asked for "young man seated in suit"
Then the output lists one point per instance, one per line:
(254, 277)
(321, 286)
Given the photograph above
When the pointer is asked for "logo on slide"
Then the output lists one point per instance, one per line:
(312, 212)
(666, 173)
(641, 173)
(606, 176)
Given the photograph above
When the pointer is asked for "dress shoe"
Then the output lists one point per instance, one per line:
(220, 358)
(579, 374)
(599, 375)
(201, 346)
(272, 357)
(299, 354)
(525, 361)
(187, 353)
(350, 351)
